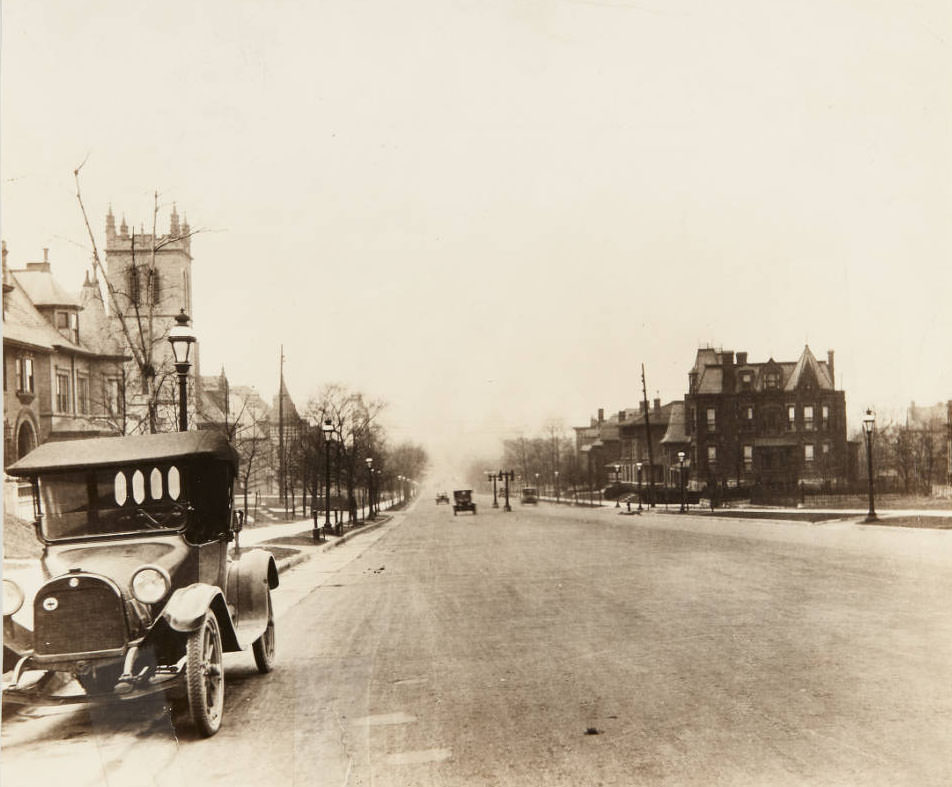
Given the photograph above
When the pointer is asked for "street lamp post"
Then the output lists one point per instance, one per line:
(638, 465)
(538, 491)
(507, 477)
(556, 486)
(617, 469)
(328, 429)
(490, 475)
(869, 423)
(370, 488)
(182, 338)
(681, 477)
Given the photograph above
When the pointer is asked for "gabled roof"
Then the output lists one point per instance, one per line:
(808, 363)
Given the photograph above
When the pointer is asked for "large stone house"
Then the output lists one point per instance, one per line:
(62, 375)
(768, 424)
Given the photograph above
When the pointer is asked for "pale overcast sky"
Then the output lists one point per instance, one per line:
(490, 213)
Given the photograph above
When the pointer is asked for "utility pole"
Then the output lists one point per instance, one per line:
(644, 393)
(282, 470)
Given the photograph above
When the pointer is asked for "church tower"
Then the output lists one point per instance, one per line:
(149, 280)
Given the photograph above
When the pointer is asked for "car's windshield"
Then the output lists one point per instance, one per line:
(111, 501)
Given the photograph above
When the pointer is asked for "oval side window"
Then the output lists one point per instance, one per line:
(120, 490)
(155, 484)
(175, 488)
(138, 486)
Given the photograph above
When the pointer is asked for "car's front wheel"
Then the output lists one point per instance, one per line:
(205, 676)
(264, 647)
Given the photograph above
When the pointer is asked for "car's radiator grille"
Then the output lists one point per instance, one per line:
(78, 614)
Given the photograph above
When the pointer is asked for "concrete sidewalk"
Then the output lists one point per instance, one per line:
(300, 536)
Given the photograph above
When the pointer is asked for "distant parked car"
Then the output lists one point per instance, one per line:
(442, 497)
(529, 495)
(463, 501)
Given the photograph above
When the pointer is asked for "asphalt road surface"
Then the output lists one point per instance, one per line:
(559, 646)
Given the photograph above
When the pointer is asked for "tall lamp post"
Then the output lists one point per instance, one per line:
(328, 429)
(869, 423)
(556, 486)
(617, 469)
(639, 466)
(507, 476)
(491, 476)
(182, 338)
(681, 477)
(370, 487)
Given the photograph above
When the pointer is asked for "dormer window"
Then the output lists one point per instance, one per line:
(772, 380)
(746, 380)
(67, 323)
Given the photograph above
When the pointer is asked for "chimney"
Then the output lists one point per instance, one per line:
(621, 416)
(741, 358)
(601, 414)
(829, 362)
(657, 405)
(727, 358)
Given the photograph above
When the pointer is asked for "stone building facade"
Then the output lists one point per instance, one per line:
(149, 282)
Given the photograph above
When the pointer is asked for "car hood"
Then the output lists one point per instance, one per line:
(117, 560)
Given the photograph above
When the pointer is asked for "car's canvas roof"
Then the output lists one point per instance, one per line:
(99, 451)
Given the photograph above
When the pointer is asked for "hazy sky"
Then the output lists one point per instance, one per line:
(491, 213)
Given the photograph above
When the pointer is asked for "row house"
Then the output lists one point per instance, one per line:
(772, 424)
(637, 427)
(597, 449)
(612, 448)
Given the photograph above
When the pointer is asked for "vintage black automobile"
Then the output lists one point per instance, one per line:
(442, 497)
(463, 501)
(530, 495)
(144, 584)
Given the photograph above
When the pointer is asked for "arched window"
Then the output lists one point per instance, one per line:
(26, 439)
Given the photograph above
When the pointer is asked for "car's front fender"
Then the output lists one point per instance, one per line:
(186, 608)
(250, 579)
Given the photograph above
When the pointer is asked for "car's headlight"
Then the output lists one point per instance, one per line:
(150, 584)
(12, 597)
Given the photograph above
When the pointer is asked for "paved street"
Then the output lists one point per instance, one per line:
(563, 646)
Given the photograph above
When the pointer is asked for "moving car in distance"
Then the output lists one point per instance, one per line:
(463, 501)
(529, 495)
(442, 497)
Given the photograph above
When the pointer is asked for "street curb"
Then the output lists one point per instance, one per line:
(306, 553)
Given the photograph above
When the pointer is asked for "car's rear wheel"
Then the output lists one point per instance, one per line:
(264, 647)
(205, 676)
